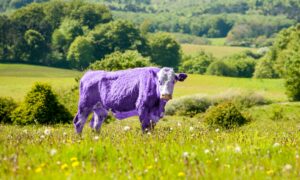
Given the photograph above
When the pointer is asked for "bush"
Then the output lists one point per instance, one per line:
(197, 64)
(242, 63)
(7, 105)
(224, 115)
(220, 68)
(188, 106)
(240, 99)
(41, 107)
(119, 61)
(195, 104)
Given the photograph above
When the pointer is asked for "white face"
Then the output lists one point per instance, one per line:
(166, 79)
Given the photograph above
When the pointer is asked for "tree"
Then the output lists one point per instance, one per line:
(164, 50)
(292, 76)
(90, 14)
(197, 64)
(119, 60)
(80, 53)
(115, 36)
(36, 45)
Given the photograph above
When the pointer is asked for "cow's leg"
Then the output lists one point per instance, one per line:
(98, 118)
(146, 123)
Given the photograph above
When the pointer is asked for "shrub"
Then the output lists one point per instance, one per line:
(241, 99)
(119, 61)
(220, 68)
(195, 104)
(41, 107)
(225, 115)
(7, 105)
(197, 64)
(188, 105)
(242, 63)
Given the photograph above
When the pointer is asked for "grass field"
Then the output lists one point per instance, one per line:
(179, 147)
(215, 50)
(16, 80)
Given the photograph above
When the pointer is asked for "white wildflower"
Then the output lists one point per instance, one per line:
(64, 134)
(126, 128)
(287, 167)
(276, 145)
(206, 151)
(191, 128)
(53, 152)
(47, 132)
(42, 137)
(96, 138)
(237, 149)
(149, 133)
(185, 154)
(217, 130)
(178, 124)
(297, 156)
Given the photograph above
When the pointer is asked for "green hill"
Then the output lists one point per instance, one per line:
(14, 84)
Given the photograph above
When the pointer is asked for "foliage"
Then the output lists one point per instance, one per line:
(115, 36)
(119, 61)
(80, 53)
(241, 99)
(224, 115)
(188, 105)
(7, 105)
(220, 68)
(265, 69)
(164, 50)
(41, 107)
(195, 104)
(292, 76)
(243, 64)
(196, 64)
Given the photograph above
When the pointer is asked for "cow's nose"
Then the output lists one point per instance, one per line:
(166, 96)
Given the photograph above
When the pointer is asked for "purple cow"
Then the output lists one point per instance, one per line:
(141, 92)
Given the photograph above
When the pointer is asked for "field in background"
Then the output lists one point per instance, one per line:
(217, 51)
(16, 80)
(217, 41)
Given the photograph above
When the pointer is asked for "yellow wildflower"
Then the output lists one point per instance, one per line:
(42, 165)
(39, 169)
(181, 174)
(149, 167)
(75, 164)
(270, 172)
(74, 159)
(64, 166)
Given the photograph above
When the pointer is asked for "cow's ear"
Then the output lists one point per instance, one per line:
(180, 76)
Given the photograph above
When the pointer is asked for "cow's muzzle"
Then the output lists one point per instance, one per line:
(166, 96)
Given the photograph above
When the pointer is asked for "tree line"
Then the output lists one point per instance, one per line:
(75, 34)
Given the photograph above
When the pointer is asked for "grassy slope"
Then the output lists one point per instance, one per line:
(217, 51)
(16, 80)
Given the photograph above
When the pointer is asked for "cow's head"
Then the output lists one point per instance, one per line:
(167, 79)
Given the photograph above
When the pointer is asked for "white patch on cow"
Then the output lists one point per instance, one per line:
(96, 119)
(166, 79)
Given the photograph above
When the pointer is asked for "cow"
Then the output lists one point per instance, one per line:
(141, 92)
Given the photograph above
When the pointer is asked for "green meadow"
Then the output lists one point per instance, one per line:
(179, 147)
(216, 49)
(16, 80)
